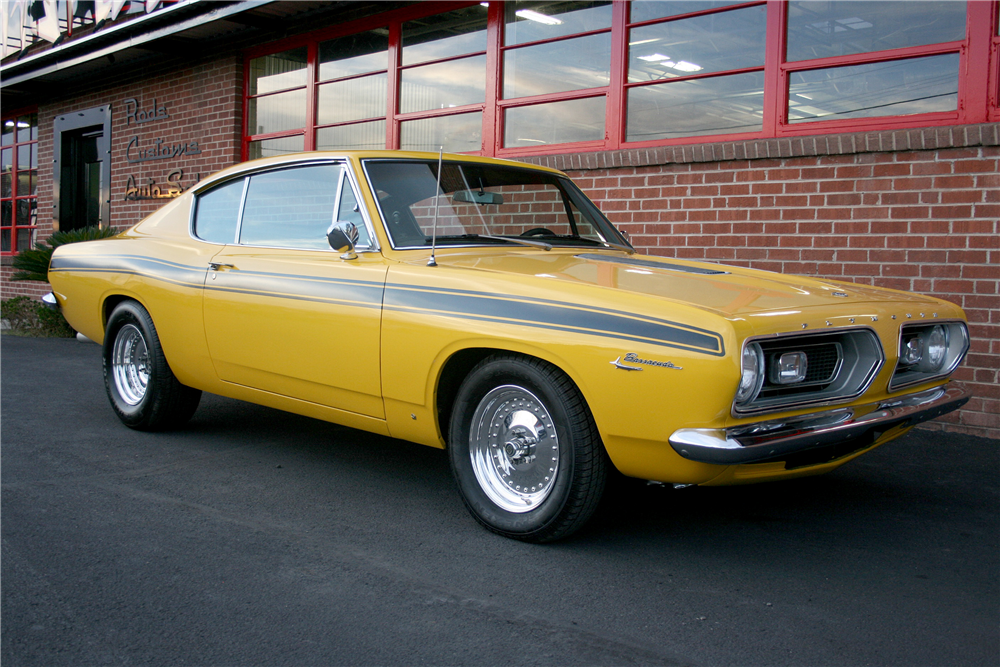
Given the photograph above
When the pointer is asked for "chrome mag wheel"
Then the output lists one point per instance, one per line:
(514, 448)
(130, 364)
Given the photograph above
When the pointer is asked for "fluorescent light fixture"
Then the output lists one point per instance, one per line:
(654, 58)
(685, 66)
(538, 18)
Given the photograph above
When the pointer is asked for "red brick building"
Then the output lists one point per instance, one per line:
(850, 140)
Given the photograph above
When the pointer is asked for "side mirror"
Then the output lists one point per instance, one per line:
(342, 236)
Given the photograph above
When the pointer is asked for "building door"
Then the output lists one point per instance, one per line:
(80, 179)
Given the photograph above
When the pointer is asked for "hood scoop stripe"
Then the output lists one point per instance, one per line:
(650, 264)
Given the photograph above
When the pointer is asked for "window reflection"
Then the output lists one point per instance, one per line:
(647, 10)
(272, 147)
(445, 35)
(555, 123)
(278, 71)
(698, 45)
(357, 136)
(534, 21)
(354, 54)
(461, 133)
(276, 113)
(353, 99)
(893, 88)
(571, 64)
(715, 105)
(443, 85)
(837, 28)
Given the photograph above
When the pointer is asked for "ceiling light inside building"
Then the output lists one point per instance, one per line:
(538, 18)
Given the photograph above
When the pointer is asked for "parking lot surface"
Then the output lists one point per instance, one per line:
(254, 537)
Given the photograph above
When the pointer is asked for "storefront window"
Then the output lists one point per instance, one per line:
(822, 29)
(891, 88)
(533, 77)
(18, 182)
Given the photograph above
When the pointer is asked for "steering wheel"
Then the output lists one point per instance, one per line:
(538, 231)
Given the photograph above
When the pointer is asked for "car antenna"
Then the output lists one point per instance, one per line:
(437, 202)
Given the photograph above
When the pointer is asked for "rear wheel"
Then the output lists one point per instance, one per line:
(524, 449)
(141, 387)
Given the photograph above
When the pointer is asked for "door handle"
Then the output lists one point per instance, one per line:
(216, 266)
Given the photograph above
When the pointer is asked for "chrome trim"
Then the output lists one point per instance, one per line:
(770, 440)
(50, 302)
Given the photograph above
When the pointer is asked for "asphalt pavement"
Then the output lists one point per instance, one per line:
(253, 537)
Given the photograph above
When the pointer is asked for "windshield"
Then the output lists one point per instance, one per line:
(483, 204)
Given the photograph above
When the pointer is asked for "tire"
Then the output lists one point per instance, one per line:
(141, 387)
(541, 475)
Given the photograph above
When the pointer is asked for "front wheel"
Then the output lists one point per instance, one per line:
(524, 449)
(141, 387)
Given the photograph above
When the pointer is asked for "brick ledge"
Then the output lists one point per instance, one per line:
(928, 138)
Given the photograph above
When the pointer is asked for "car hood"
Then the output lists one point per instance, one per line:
(725, 290)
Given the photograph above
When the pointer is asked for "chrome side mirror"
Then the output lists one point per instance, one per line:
(342, 236)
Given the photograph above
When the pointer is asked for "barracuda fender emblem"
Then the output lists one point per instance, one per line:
(633, 358)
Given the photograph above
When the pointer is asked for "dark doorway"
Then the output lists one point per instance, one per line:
(82, 169)
(80, 179)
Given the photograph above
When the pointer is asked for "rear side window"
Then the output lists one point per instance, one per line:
(291, 208)
(218, 213)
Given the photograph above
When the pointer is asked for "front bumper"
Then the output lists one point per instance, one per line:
(846, 429)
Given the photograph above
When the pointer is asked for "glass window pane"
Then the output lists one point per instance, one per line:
(276, 113)
(533, 21)
(27, 127)
(24, 239)
(7, 218)
(349, 210)
(8, 132)
(838, 28)
(272, 147)
(699, 45)
(353, 99)
(457, 134)
(445, 35)
(34, 182)
(648, 10)
(555, 123)
(278, 71)
(570, 64)
(6, 171)
(218, 212)
(5, 235)
(354, 54)
(894, 88)
(444, 85)
(24, 156)
(715, 105)
(26, 212)
(291, 208)
(359, 136)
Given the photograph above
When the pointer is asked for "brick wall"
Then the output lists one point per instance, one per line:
(204, 103)
(915, 210)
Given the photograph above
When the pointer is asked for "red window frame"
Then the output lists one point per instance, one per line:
(978, 84)
(16, 196)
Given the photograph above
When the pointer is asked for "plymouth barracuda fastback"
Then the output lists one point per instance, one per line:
(489, 308)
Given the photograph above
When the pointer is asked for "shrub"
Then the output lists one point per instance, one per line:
(27, 317)
(34, 264)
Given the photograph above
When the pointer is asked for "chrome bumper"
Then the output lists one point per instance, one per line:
(772, 440)
(50, 301)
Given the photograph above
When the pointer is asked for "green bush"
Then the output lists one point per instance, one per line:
(34, 264)
(27, 317)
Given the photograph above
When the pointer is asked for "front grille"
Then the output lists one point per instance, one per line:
(840, 365)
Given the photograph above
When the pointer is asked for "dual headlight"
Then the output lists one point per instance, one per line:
(929, 351)
(786, 368)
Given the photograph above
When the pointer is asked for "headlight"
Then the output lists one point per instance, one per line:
(753, 373)
(928, 351)
(935, 342)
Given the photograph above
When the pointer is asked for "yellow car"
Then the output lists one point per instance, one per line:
(488, 307)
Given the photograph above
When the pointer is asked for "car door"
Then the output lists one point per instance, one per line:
(286, 314)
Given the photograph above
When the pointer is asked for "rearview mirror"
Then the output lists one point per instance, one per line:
(342, 236)
(481, 198)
